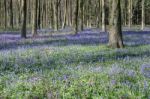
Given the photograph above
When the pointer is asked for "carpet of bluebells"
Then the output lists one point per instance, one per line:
(67, 66)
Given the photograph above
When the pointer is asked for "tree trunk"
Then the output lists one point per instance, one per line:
(82, 15)
(100, 15)
(34, 24)
(11, 14)
(115, 32)
(77, 15)
(143, 14)
(65, 14)
(57, 13)
(129, 13)
(54, 4)
(5, 8)
(103, 16)
(39, 14)
(23, 32)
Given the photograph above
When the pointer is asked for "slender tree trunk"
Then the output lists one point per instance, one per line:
(65, 14)
(100, 15)
(143, 14)
(82, 15)
(34, 24)
(11, 14)
(115, 32)
(129, 13)
(54, 15)
(77, 15)
(103, 16)
(5, 7)
(60, 15)
(71, 13)
(57, 14)
(39, 14)
(1, 15)
(125, 13)
(23, 31)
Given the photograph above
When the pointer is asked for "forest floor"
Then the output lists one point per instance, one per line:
(12, 40)
(67, 66)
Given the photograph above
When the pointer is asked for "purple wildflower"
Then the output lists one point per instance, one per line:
(145, 70)
(130, 73)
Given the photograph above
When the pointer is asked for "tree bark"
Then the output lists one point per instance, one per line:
(100, 15)
(39, 14)
(76, 16)
(103, 16)
(34, 24)
(5, 8)
(11, 14)
(115, 32)
(129, 13)
(143, 14)
(65, 23)
(82, 15)
(23, 31)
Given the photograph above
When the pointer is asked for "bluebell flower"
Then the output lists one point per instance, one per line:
(145, 70)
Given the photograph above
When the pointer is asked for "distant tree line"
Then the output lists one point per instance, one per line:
(78, 14)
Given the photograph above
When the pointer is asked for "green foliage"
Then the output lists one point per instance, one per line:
(75, 72)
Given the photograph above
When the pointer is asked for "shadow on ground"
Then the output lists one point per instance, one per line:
(12, 40)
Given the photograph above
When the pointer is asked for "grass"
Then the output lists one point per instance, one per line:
(75, 72)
